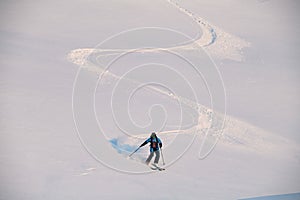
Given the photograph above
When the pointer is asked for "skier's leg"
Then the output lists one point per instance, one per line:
(157, 155)
(149, 158)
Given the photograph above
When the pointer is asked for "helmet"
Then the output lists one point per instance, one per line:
(153, 134)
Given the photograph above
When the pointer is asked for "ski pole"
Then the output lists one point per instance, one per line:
(134, 152)
(162, 156)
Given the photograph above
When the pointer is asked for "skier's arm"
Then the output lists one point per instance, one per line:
(148, 140)
(160, 143)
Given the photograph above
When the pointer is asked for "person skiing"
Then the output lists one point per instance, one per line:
(155, 146)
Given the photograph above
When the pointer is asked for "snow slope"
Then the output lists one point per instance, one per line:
(210, 123)
(66, 129)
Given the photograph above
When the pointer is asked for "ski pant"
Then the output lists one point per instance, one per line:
(157, 155)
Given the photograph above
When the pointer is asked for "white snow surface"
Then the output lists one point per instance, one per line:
(217, 81)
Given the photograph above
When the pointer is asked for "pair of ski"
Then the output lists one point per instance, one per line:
(155, 167)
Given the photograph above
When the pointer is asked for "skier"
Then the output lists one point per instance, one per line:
(155, 145)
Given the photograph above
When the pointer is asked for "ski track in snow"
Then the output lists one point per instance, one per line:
(87, 171)
(213, 39)
(232, 131)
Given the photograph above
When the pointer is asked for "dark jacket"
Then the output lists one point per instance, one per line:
(155, 143)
